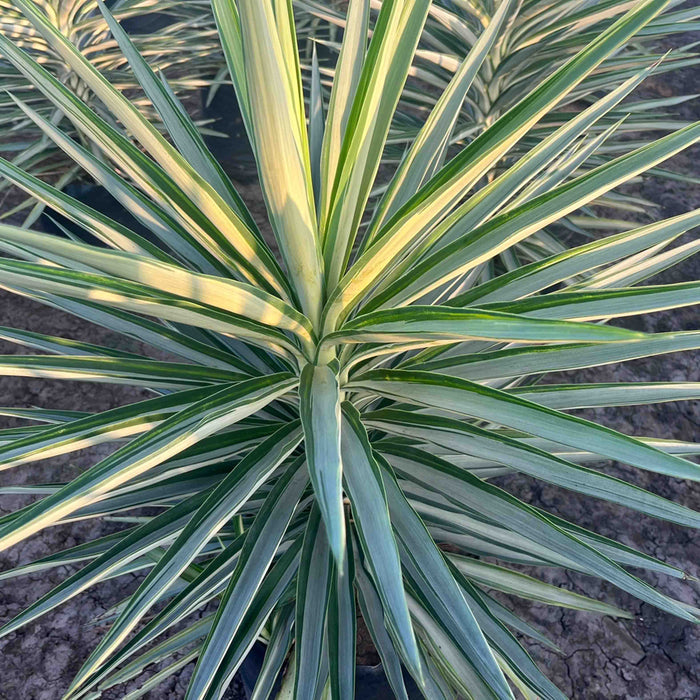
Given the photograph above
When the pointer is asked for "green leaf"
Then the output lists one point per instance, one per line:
(576, 261)
(104, 228)
(276, 588)
(220, 506)
(373, 614)
(446, 188)
(61, 346)
(485, 537)
(469, 399)
(184, 174)
(316, 126)
(521, 518)
(115, 370)
(591, 304)
(168, 439)
(312, 593)
(210, 582)
(415, 323)
(462, 438)
(566, 397)
(278, 122)
(157, 335)
(222, 231)
(430, 573)
(66, 557)
(277, 650)
(154, 533)
(505, 230)
(523, 586)
(89, 430)
(320, 416)
(130, 296)
(365, 488)
(342, 632)
(149, 211)
(174, 644)
(384, 72)
(182, 130)
(512, 362)
(520, 667)
(348, 71)
(496, 194)
(261, 544)
(428, 150)
(152, 275)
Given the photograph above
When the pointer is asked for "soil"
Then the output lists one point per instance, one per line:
(652, 656)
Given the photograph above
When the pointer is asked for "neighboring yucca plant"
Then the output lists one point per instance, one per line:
(535, 38)
(177, 38)
(326, 437)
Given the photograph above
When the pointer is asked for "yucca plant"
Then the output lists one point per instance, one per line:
(330, 408)
(534, 39)
(177, 38)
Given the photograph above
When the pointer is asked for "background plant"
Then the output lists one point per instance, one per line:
(177, 38)
(536, 39)
(326, 426)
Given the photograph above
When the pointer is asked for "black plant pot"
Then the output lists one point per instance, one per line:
(371, 682)
(149, 23)
(232, 149)
(98, 198)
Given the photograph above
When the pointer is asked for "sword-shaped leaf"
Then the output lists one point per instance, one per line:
(365, 488)
(181, 129)
(221, 505)
(254, 560)
(428, 150)
(466, 439)
(577, 261)
(278, 647)
(511, 362)
(278, 121)
(312, 593)
(152, 275)
(564, 397)
(158, 531)
(320, 416)
(591, 304)
(429, 323)
(131, 296)
(483, 497)
(275, 590)
(86, 431)
(429, 205)
(115, 370)
(342, 631)
(168, 439)
(470, 399)
(240, 237)
(419, 554)
(505, 230)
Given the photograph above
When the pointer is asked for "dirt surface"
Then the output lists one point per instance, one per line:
(651, 657)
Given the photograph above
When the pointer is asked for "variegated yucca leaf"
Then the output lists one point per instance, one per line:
(333, 394)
